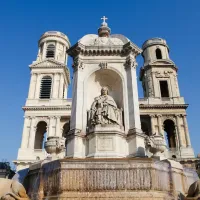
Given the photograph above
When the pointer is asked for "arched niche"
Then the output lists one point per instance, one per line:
(106, 77)
(40, 135)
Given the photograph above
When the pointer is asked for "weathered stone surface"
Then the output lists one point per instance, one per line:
(106, 178)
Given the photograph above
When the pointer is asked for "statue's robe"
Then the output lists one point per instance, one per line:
(105, 107)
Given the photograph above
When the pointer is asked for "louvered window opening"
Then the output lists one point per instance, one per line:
(50, 51)
(45, 89)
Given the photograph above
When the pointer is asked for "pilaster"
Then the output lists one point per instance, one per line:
(56, 85)
(179, 130)
(32, 87)
(37, 89)
(61, 87)
(33, 130)
(160, 126)
(58, 128)
(152, 124)
(188, 143)
(133, 103)
(26, 132)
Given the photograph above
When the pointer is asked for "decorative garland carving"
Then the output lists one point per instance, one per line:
(103, 65)
(130, 63)
(165, 74)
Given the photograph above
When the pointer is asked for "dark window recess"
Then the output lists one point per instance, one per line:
(158, 54)
(50, 51)
(45, 88)
(164, 89)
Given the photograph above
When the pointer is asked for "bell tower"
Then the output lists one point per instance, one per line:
(163, 110)
(47, 110)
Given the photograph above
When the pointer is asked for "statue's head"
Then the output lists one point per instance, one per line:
(104, 91)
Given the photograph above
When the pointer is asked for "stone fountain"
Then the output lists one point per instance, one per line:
(111, 178)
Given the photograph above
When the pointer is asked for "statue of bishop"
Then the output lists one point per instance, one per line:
(104, 109)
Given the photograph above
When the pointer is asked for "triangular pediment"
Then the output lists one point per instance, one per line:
(47, 63)
(162, 62)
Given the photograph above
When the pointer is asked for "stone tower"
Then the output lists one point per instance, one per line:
(163, 110)
(46, 110)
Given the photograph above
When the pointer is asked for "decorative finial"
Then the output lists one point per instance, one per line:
(104, 19)
(104, 30)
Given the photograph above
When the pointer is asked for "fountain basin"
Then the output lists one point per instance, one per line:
(123, 178)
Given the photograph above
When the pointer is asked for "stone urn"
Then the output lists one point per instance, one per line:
(156, 145)
(54, 145)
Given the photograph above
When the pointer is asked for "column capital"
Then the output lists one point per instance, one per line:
(152, 115)
(130, 62)
(159, 115)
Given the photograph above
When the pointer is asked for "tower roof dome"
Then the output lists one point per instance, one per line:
(54, 35)
(154, 41)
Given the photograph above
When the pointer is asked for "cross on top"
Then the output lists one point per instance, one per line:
(104, 19)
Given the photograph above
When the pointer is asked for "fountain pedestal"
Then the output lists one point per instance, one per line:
(119, 178)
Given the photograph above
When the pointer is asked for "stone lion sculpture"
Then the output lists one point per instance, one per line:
(194, 190)
(12, 190)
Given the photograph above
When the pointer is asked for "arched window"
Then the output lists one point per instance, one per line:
(50, 51)
(158, 54)
(170, 133)
(45, 88)
(40, 135)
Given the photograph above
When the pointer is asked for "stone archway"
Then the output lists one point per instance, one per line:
(40, 135)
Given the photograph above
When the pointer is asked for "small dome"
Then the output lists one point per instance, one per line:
(95, 40)
(54, 35)
(154, 41)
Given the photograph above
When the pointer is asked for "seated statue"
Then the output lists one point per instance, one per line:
(104, 110)
(12, 190)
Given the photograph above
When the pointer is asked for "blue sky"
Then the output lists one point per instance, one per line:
(23, 22)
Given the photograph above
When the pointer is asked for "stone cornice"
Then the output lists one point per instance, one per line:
(67, 107)
(163, 106)
(106, 50)
(51, 63)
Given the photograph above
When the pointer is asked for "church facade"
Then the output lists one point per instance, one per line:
(105, 118)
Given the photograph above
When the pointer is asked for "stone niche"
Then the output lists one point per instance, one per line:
(101, 78)
(119, 178)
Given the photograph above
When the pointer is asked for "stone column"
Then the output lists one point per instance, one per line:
(179, 130)
(188, 143)
(26, 132)
(32, 87)
(152, 124)
(33, 130)
(58, 128)
(61, 90)
(160, 126)
(56, 80)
